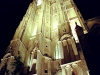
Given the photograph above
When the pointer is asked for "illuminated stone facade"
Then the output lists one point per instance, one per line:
(46, 40)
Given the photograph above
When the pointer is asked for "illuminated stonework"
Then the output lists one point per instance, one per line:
(46, 39)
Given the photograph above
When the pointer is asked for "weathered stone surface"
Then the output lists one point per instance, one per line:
(74, 68)
(10, 65)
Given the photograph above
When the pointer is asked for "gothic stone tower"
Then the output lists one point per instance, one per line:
(47, 41)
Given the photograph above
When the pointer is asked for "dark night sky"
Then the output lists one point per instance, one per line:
(12, 11)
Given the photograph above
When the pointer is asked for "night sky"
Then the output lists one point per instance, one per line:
(12, 12)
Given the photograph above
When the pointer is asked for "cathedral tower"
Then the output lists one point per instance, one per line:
(46, 39)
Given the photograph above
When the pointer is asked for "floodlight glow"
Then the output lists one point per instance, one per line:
(34, 31)
(39, 2)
